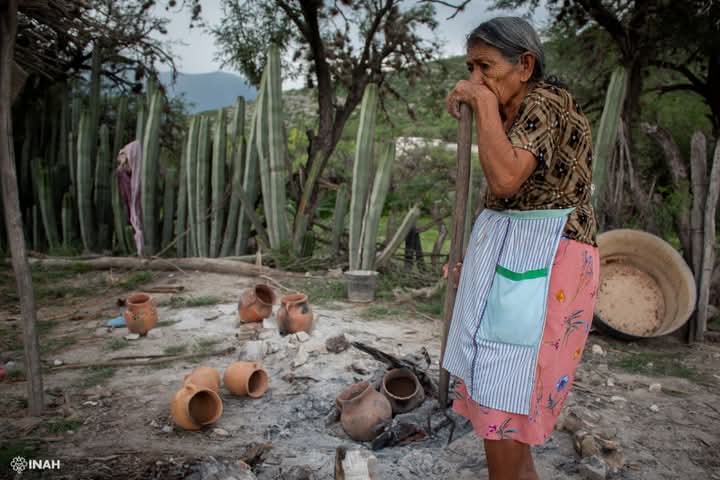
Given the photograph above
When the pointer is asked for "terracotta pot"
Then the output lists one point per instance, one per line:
(256, 303)
(402, 389)
(206, 377)
(141, 314)
(295, 314)
(246, 379)
(194, 406)
(362, 409)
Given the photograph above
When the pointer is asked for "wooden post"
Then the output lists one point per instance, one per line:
(13, 218)
(462, 187)
(698, 174)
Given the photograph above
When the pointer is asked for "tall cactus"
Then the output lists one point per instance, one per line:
(102, 194)
(84, 182)
(607, 131)
(375, 207)
(250, 185)
(202, 186)
(140, 122)
(361, 172)
(148, 180)
(67, 220)
(120, 220)
(218, 184)
(191, 185)
(182, 204)
(169, 205)
(341, 201)
(47, 208)
(120, 123)
(236, 158)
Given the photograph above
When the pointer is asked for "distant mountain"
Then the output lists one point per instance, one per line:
(208, 91)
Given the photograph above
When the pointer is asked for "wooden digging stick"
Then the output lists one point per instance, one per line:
(462, 188)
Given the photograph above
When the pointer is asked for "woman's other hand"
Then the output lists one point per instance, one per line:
(456, 273)
(472, 93)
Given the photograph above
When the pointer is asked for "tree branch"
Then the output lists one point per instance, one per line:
(458, 8)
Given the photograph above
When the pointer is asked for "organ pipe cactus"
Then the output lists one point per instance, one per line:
(47, 208)
(236, 158)
(191, 185)
(169, 205)
(120, 219)
(182, 204)
(148, 178)
(218, 184)
(341, 201)
(202, 186)
(102, 194)
(120, 122)
(250, 184)
(375, 207)
(361, 172)
(607, 131)
(67, 219)
(84, 182)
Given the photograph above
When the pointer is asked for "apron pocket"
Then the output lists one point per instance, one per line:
(515, 309)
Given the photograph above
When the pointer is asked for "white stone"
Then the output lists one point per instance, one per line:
(610, 382)
(598, 350)
(253, 350)
(359, 367)
(654, 408)
(266, 334)
(301, 357)
(302, 337)
(155, 333)
(272, 347)
(655, 387)
(57, 363)
(167, 429)
(132, 336)
(220, 431)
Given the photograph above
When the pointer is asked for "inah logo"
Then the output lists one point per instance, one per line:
(19, 464)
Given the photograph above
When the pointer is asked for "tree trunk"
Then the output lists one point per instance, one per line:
(13, 218)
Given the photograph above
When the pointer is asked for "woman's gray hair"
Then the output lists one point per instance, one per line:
(513, 36)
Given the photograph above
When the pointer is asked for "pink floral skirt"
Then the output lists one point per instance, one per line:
(571, 299)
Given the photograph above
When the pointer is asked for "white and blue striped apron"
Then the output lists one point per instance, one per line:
(500, 308)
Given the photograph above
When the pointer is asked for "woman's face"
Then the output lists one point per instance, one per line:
(505, 79)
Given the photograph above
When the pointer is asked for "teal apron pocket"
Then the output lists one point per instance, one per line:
(515, 308)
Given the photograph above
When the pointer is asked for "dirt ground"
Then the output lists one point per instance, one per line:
(114, 422)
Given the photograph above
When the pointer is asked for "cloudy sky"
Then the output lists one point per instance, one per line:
(195, 49)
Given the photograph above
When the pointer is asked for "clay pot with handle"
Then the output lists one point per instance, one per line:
(256, 303)
(141, 314)
(295, 314)
(402, 389)
(206, 377)
(362, 409)
(194, 407)
(246, 379)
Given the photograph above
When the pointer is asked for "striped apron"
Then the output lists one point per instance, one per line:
(499, 315)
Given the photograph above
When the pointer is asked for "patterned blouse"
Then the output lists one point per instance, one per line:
(551, 125)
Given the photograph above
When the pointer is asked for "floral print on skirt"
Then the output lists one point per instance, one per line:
(574, 282)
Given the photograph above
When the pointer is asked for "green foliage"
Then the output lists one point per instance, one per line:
(185, 302)
(136, 279)
(175, 349)
(63, 425)
(96, 376)
(656, 365)
(117, 344)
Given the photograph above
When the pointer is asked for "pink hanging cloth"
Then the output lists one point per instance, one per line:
(129, 161)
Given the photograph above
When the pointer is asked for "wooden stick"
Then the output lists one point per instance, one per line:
(462, 188)
(154, 361)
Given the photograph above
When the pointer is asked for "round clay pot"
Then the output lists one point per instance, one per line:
(362, 409)
(295, 314)
(256, 303)
(402, 389)
(141, 314)
(206, 377)
(194, 406)
(246, 379)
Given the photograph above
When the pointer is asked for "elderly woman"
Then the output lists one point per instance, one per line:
(527, 286)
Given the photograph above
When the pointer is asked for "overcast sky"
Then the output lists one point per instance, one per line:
(197, 51)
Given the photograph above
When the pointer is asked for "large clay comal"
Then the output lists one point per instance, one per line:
(141, 314)
(194, 407)
(295, 314)
(256, 303)
(246, 379)
(402, 389)
(362, 409)
(206, 377)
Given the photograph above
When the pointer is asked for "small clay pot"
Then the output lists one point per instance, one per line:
(256, 303)
(194, 406)
(141, 314)
(246, 379)
(402, 389)
(295, 314)
(206, 377)
(362, 409)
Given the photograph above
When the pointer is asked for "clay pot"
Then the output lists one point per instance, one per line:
(362, 409)
(206, 377)
(246, 379)
(256, 303)
(141, 314)
(194, 406)
(295, 314)
(402, 389)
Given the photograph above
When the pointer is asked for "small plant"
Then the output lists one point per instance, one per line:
(380, 311)
(117, 344)
(183, 302)
(97, 375)
(203, 345)
(135, 280)
(656, 364)
(175, 349)
(166, 323)
(63, 425)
